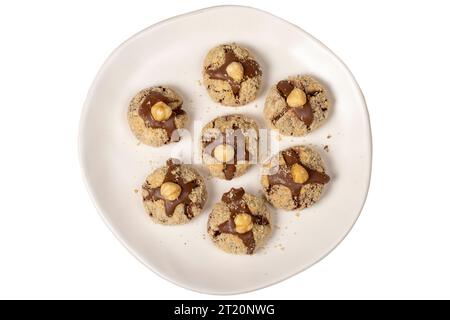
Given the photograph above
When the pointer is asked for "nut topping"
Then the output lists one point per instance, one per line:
(161, 111)
(236, 71)
(170, 190)
(243, 222)
(296, 99)
(299, 173)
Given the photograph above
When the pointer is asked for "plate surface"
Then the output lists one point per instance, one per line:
(114, 164)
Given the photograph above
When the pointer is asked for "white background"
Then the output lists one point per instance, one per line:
(53, 244)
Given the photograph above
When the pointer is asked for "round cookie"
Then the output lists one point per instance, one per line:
(231, 75)
(294, 179)
(229, 145)
(297, 105)
(155, 114)
(174, 194)
(240, 223)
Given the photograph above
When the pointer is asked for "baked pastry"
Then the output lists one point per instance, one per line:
(155, 114)
(240, 223)
(231, 75)
(174, 194)
(229, 145)
(294, 178)
(297, 105)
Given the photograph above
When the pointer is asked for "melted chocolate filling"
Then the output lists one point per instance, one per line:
(186, 188)
(168, 125)
(236, 204)
(304, 113)
(284, 176)
(251, 70)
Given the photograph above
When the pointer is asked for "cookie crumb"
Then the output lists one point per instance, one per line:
(326, 148)
(279, 137)
(329, 136)
(135, 190)
(199, 82)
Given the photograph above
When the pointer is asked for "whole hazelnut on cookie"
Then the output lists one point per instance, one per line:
(170, 190)
(236, 71)
(161, 111)
(296, 99)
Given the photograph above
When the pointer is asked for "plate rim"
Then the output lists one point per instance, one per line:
(118, 234)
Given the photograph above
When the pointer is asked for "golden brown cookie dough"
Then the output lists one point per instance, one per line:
(294, 178)
(240, 223)
(231, 75)
(229, 145)
(174, 194)
(155, 114)
(297, 105)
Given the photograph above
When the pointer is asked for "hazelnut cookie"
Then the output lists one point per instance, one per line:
(229, 145)
(174, 194)
(294, 178)
(240, 223)
(155, 114)
(231, 75)
(297, 105)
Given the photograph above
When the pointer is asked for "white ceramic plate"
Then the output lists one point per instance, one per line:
(171, 53)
